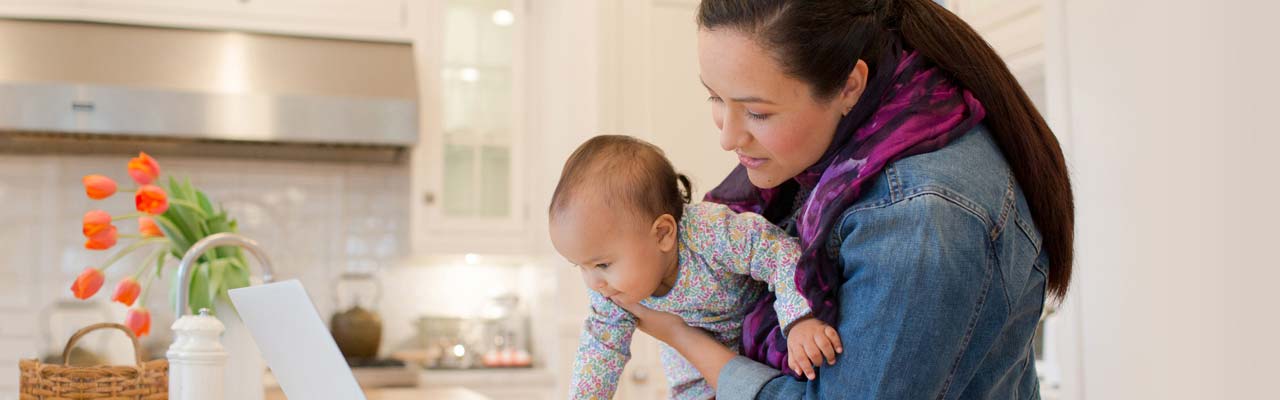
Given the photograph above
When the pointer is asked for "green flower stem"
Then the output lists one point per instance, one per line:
(147, 264)
(160, 259)
(146, 286)
(126, 216)
(129, 249)
(190, 205)
(178, 241)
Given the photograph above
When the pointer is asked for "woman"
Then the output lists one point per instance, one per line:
(930, 197)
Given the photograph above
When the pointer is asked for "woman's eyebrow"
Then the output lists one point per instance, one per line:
(751, 99)
(748, 99)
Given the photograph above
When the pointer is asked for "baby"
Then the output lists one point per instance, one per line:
(620, 216)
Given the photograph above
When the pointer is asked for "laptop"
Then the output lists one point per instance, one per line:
(295, 342)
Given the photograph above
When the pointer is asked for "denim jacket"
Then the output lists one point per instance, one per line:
(943, 285)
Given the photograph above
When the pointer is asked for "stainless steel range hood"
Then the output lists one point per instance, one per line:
(142, 83)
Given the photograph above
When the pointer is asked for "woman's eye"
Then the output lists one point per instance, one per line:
(602, 266)
(714, 99)
(757, 116)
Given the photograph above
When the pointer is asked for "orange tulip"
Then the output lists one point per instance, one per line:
(95, 221)
(138, 320)
(144, 169)
(127, 291)
(102, 239)
(87, 283)
(148, 228)
(98, 187)
(152, 200)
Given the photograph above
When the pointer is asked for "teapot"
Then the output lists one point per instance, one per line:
(357, 330)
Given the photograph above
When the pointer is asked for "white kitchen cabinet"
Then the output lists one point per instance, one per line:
(383, 20)
(651, 87)
(469, 191)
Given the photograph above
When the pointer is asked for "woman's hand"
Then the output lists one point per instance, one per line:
(704, 352)
(663, 326)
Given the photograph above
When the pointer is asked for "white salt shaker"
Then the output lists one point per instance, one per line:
(196, 358)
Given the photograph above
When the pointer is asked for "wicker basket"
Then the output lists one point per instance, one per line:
(145, 381)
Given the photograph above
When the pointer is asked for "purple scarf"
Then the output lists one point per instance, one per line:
(909, 109)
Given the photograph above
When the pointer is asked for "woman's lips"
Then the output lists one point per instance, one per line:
(751, 162)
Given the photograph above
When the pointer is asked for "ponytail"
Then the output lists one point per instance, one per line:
(1018, 128)
(685, 188)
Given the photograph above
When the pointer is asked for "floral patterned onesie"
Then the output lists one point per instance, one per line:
(726, 261)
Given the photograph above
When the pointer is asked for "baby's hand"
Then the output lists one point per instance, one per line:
(808, 342)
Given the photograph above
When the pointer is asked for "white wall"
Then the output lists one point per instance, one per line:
(1251, 58)
(1167, 159)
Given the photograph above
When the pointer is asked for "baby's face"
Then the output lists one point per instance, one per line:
(617, 254)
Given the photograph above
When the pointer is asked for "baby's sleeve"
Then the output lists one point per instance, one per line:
(604, 349)
(748, 244)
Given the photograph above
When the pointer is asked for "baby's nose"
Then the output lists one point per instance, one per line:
(595, 282)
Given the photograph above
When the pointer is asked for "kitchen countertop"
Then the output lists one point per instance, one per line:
(488, 376)
(405, 394)
(446, 384)
(374, 388)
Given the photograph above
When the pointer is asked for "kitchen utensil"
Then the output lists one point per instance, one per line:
(449, 342)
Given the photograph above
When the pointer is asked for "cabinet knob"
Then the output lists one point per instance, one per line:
(429, 198)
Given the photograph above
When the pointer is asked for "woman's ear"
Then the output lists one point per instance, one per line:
(664, 230)
(853, 87)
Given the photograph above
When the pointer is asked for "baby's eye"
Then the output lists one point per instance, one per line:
(602, 266)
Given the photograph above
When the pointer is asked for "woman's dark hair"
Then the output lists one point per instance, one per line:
(624, 172)
(820, 41)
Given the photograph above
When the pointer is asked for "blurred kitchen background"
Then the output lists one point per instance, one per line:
(398, 156)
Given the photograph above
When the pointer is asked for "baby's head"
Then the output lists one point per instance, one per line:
(615, 215)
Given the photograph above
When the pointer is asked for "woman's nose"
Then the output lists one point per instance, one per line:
(732, 136)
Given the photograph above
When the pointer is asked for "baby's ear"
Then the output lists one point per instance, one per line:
(664, 229)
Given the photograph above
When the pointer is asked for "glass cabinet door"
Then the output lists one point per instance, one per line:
(478, 139)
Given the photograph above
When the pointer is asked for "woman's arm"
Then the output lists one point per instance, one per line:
(704, 352)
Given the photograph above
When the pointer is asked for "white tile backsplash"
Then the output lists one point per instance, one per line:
(315, 220)
(451, 290)
(20, 228)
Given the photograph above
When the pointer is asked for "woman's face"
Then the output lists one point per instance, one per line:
(767, 117)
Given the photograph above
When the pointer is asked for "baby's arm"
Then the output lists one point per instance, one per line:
(808, 342)
(747, 243)
(603, 350)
